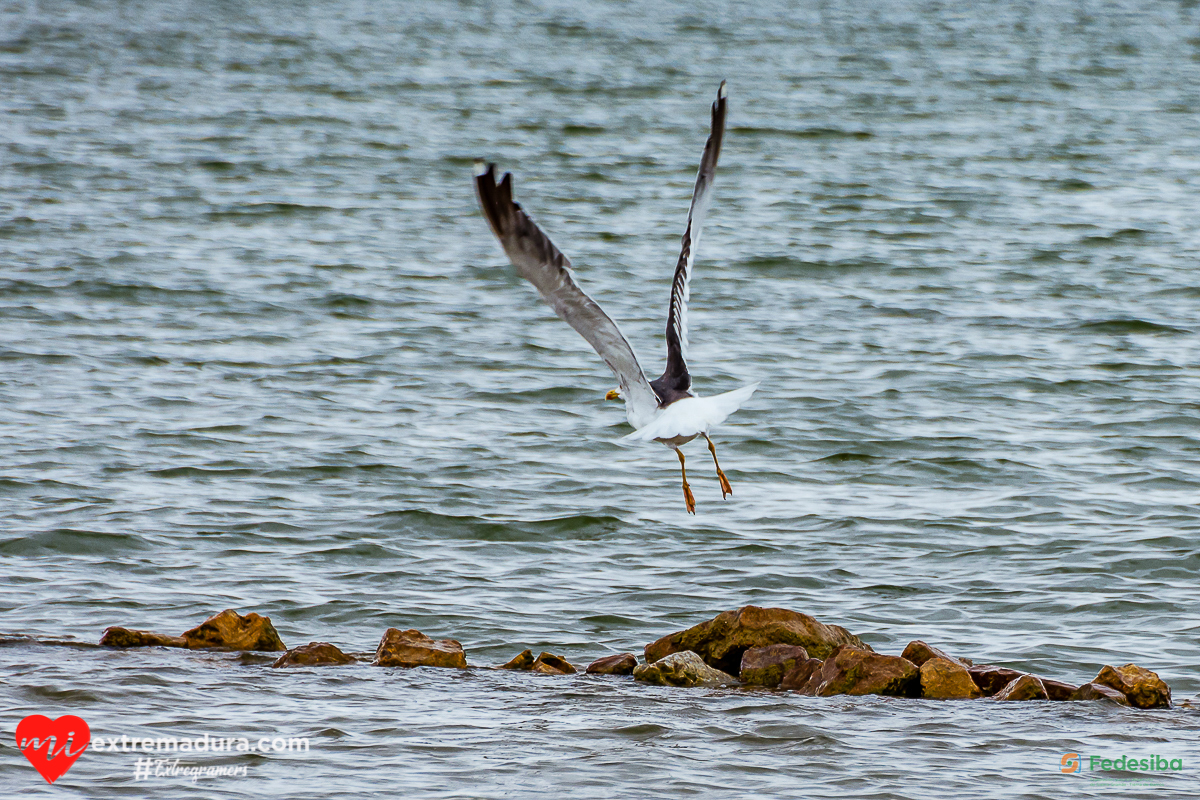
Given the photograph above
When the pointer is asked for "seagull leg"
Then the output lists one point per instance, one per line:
(687, 490)
(725, 487)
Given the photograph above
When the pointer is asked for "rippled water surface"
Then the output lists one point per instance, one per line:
(259, 350)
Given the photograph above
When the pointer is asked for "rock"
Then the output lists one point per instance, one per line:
(797, 677)
(1057, 690)
(521, 661)
(314, 654)
(229, 630)
(1026, 687)
(991, 679)
(722, 640)
(1141, 687)
(944, 679)
(550, 664)
(622, 664)
(849, 670)
(918, 653)
(412, 648)
(1097, 691)
(765, 666)
(127, 637)
(682, 669)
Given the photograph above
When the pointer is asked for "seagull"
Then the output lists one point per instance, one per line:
(663, 410)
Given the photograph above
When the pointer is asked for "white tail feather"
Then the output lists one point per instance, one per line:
(692, 416)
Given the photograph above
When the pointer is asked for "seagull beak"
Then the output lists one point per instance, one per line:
(613, 394)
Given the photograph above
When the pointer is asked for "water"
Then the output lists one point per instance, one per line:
(259, 350)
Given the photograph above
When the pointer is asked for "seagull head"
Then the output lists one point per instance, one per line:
(614, 394)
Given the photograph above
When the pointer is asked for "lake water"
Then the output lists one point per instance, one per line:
(258, 349)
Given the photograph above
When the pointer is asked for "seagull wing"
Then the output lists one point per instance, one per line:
(540, 262)
(676, 375)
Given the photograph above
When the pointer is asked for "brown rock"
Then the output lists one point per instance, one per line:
(127, 637)
(1096, 691)
(1026, 687)
(682, 669)
(765, 666)
(622, 664)
(314, 654)
(229, 630)
(798, 676)
(918, 653)
(943, 679)
(1141, 687)
(849, 670)
(521, 661)
(550, 664)
(722, 640)
(1057, 690)
(991, 679)
(412, 648)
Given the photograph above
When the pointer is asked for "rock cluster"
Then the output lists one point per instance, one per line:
(771, 648)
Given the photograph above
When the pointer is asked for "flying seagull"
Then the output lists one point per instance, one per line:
(665, 409)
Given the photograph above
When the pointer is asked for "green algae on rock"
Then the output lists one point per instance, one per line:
(682, 669)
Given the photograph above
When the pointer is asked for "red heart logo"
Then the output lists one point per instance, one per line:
(52, 745)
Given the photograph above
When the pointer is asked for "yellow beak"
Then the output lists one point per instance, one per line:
(613, 394)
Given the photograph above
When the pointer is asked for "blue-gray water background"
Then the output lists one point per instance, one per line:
(258, 349)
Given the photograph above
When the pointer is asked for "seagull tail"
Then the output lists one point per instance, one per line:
(692, 416)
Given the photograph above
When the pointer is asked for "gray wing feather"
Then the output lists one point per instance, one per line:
(538, 261)
(677, 328)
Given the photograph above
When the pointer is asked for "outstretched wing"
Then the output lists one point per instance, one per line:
(540, 262)
(676, 375)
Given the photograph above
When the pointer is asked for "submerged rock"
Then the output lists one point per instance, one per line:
(682, 669)
(229, 630)
(849, 670)
(550, 664)
(722, 640)
(992, 679)
(127, 637)
(1098, 691)
(412, 648)
(1141, 687)
(314, 654)
(1026, 687)
(943, 679)
(522, 661)
(918, 653)
(798, 676)
(621, 664)
(1057, 690)
(765, 666)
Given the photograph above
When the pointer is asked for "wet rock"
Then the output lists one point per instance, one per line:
(127, 637)
(314, 654)
(849, 670)
(798, 676)
(944, 679)
(622, 664)
(1141, 687)
(682, 669)
(765, 666)
(722, 640)
(550, 664)
(1097, 691)
(992, 679)
(1026, 687)
(522, 661)
(918, 653)
(1057, 690)
(412, 648)
(230, 630)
